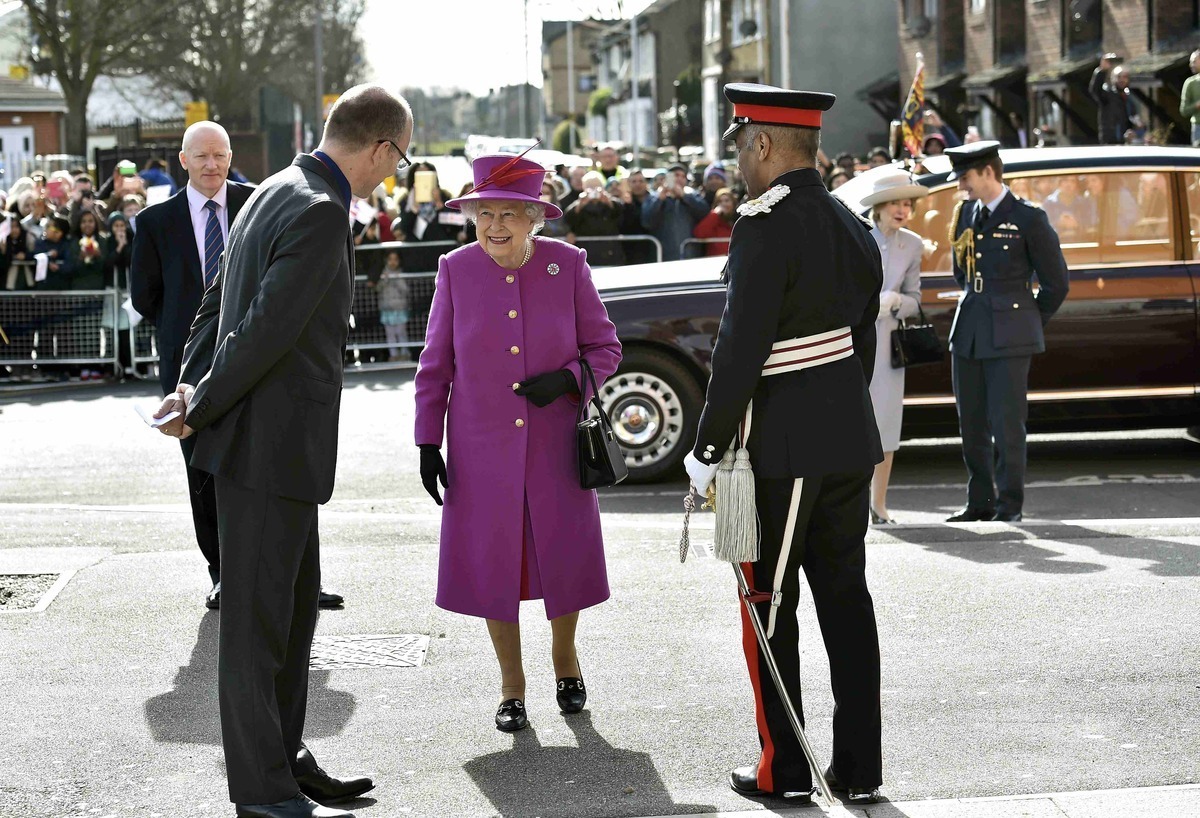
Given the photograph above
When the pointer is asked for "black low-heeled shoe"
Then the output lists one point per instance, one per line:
(511, 716)
(571, 695)
(854, 795)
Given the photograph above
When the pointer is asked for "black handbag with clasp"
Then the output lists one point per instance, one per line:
(601, 462)
(916, 344)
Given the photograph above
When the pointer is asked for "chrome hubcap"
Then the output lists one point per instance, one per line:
(646, 414)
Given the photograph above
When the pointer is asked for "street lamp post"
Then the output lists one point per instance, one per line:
(678, 125)
(319, 59)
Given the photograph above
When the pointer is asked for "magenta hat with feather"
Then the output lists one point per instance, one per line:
(507, 178)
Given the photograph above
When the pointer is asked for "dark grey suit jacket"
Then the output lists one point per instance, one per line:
(267, 346)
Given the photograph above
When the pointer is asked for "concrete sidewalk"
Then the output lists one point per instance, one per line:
(1138, 802)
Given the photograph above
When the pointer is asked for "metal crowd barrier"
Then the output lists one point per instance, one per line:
(88, 327)
(686, 243)
(44, 327)
(600, 249)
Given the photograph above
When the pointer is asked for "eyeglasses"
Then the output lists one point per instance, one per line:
(404, 160)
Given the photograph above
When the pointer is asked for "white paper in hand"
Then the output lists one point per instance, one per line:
(148, 416)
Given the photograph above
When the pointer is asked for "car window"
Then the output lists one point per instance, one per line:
(1106, 218)
(931, 221)
(1192, 186)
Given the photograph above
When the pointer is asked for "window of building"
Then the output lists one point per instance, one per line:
(978, 6)
(712, 20)
(746, 15)
(1082, 26)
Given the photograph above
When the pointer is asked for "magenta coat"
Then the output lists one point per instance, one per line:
(490, 328)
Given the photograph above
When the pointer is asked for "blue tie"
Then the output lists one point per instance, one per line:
(214, 243)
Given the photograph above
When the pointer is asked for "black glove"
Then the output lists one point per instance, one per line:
(543, 390)
(433, 468)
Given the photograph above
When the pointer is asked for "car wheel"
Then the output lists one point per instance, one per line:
(654, 404)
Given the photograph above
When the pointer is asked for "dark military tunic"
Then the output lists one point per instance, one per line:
(997, 328)
(809, 266)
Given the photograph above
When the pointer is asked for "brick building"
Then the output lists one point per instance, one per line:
(31, 124)
(1010, 66)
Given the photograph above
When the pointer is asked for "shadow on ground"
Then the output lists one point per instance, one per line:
(534, 780)
(1017, 546)
(189, 714)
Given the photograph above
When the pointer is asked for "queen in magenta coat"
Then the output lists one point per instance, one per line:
(499, 380)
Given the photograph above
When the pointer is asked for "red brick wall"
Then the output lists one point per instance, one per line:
(1125, 27)
(47, 129)
(1043, 33)
(909, 46)
(981, 36)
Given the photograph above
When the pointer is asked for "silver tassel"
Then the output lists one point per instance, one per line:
(736, 538)
(689, 505)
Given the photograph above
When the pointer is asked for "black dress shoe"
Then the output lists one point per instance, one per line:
(330, 600)
(854, 795)
(744, 781)
(1007, 517)
(298, 807)
(571, 695)
(511, 716)
(213, 600)
(971, 515)
(321, 786)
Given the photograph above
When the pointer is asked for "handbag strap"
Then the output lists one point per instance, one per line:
(586, 377)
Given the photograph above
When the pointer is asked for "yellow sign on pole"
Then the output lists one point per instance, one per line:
(194, 112)
(327, 103)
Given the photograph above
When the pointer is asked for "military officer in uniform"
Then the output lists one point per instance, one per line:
(1000, 243)
(796, 345)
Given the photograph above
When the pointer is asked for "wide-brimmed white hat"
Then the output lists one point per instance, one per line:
(892, 187)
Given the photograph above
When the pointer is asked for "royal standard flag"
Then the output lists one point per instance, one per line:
(912, 119)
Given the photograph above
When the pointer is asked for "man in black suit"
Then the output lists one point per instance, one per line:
(175, 252)
(261, 383)
(792, 362)
(172, 266)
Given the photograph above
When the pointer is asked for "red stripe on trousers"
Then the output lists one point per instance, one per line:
(766, 782)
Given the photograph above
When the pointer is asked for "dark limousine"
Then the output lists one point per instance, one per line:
(1121, 353)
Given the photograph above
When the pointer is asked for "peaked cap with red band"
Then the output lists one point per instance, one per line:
(755, 104)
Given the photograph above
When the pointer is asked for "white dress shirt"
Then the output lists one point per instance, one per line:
(991, 206)
(196, 201)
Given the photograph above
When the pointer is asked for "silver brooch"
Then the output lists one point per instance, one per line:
(552, 269)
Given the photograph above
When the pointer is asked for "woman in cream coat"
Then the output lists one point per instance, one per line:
(892, 202)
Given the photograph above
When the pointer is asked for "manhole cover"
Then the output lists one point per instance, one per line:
(27, 592)
(340, 652)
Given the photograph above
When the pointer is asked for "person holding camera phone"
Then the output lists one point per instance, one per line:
(593, 215)
(672, 213)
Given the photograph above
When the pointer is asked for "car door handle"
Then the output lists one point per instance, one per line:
(946, 295)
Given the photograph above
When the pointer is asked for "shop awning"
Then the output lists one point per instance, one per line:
(1062, 72)
(995, 77)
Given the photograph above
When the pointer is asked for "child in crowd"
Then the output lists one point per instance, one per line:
(60, 265)
(393, 304)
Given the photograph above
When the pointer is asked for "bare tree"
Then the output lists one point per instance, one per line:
(78, 40)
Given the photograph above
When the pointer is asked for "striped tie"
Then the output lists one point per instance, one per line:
(214, 243)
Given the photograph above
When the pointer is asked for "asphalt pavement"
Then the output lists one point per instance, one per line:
(1047, 668)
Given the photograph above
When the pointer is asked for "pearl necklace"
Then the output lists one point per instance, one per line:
(528, 253)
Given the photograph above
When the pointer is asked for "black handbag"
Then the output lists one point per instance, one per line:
(916, 344)
(601, 462)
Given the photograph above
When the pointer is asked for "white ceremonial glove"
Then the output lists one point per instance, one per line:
(888, 300)
(701, 474)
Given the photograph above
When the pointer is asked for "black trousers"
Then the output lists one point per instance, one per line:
(268, 615)
(203, 495)
(992, 410)
(818, 524)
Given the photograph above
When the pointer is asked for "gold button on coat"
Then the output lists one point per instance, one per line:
(512, 313)
(510, 278)
(514, 350)
(520, 423)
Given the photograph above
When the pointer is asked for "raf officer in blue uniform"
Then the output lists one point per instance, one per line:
(1000, 243)
(797, 346)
